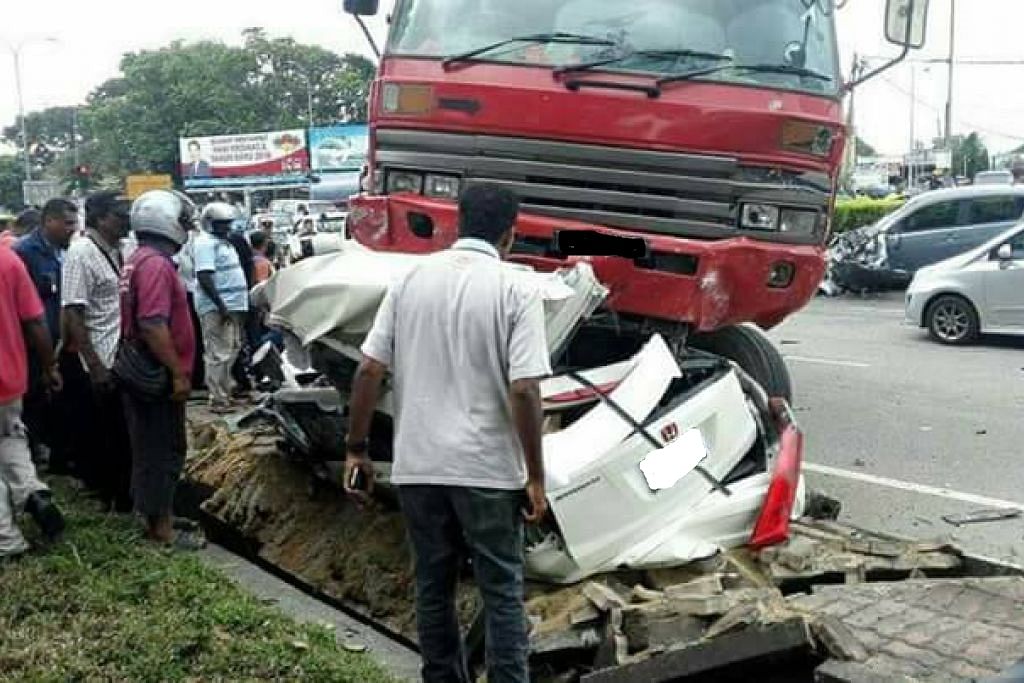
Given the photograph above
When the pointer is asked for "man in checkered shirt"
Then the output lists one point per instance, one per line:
(92, 322)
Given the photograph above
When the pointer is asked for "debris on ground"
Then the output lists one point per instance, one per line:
(631, 625)
(983, 515)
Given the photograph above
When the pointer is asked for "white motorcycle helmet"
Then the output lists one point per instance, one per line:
(217, 212)
(165, 213)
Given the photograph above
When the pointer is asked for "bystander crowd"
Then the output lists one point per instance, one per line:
(21, 318)
(222, 300)
(92, 324)
(464, 339)
(156, 323)
(42, 251)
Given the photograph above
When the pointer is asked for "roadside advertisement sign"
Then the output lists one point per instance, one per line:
(255, 158)
(338, 148)
(135, 185)
(38, 192)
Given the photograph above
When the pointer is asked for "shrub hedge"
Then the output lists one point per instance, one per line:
(860, 211)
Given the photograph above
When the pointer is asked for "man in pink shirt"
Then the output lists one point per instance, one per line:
(21, 317)
(154, 311)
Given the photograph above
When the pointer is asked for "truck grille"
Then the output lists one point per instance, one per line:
(662, 192)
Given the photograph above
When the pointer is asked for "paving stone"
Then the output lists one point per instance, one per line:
(872, 614)
(903, 621)
(919, 655)
(943, 594)
(838, 640)
(835, 671)
(965, 670)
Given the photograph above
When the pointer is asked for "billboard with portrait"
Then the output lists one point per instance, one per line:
(264, 158)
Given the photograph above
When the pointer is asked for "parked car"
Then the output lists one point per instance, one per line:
(993, 178)
(929, 228)
(978, 292)
(311, 236)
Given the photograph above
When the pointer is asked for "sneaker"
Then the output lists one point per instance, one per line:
(47, 516)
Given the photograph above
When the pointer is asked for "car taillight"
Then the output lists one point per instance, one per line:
(772, 525)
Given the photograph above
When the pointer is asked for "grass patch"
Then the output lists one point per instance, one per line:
(105, 605)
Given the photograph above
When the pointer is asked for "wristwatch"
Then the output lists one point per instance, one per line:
(358, 446)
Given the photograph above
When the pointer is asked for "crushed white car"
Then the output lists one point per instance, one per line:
(654, 457)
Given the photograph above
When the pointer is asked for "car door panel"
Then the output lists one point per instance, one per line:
(925, 236)
(1004, 290)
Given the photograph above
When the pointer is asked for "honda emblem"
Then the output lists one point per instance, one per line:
(669, 432)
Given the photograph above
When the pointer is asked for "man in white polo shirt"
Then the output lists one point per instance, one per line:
(464, 340)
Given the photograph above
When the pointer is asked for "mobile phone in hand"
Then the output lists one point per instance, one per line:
(357, 481)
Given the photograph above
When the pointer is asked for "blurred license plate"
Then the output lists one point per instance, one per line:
(666, 466)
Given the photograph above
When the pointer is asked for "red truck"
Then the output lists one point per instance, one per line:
(689, 149)
(706, 135)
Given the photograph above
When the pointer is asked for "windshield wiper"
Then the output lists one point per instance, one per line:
(656, 54)
(758, 68)
(558, 37)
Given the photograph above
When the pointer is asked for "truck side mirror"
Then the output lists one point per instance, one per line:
(905, 22)
(364, 8)
(1005, 252)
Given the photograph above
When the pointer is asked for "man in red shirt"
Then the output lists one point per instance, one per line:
(21, 317)
(154, 311)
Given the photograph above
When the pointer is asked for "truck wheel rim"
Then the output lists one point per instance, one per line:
(951, 322)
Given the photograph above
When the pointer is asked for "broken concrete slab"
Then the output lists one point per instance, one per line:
(572, 639)
(603, 597)
(984, 515)
(835, 671)
(713, 605)
(731, 648)
(703, 586)
(648, 628)
(837, 639)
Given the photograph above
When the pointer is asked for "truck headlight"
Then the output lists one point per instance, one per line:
(759, 217)
(404, 181)
(442, 187)
(795, 222)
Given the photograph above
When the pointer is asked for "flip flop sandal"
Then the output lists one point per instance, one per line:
(187, 542)
(185, 524)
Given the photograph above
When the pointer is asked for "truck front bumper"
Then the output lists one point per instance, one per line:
(703, 283)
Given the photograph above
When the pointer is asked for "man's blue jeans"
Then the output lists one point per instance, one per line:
(445, 524)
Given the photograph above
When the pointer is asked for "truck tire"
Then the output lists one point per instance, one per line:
(751, 349)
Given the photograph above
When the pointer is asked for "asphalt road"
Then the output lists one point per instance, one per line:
(904, 430)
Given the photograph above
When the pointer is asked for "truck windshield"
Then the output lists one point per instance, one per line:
(658, 37)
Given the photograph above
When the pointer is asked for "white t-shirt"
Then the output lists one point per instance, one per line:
(456, 332)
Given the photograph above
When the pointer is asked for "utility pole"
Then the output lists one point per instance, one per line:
(15, 49)
(16, 53)
(851, 122)
(913, 115)
(949, 96)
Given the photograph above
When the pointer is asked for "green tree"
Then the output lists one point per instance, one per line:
(132, 123)
(970, 156)
(11, 175)
(864, 149)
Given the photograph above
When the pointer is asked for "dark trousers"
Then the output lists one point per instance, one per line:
(100, 439)
(446, 524)
(158, 439)
(198, 366)
(51, 418)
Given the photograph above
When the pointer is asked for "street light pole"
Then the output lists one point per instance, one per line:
(15, 49)
(949, 96)
(16, 53)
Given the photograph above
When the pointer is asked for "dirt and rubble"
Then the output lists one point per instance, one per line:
(816, 595)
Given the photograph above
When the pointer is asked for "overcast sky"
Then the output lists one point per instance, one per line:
(93, 34)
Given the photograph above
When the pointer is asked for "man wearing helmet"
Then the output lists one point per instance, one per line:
(222, 300)
(155, 315)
